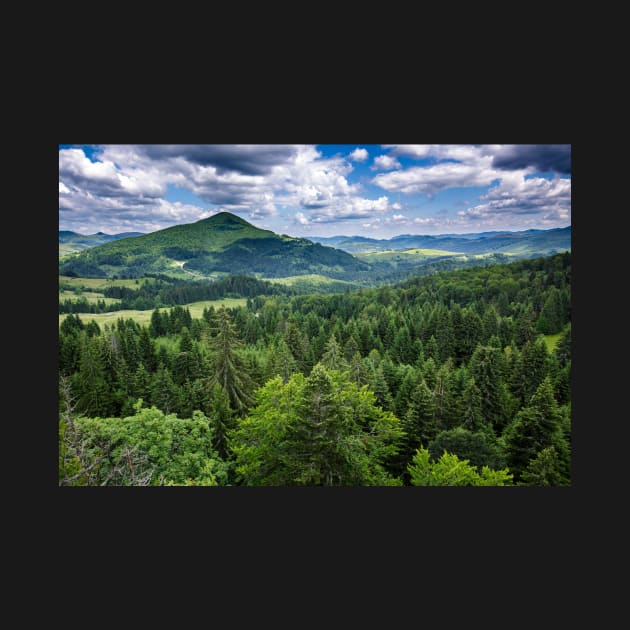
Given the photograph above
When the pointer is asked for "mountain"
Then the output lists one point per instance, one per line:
(522, 244)
(221, 244)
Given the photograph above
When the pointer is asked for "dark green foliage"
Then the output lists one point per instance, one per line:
(227, 366)
(478, 448)
(536, 427)
(485, 368)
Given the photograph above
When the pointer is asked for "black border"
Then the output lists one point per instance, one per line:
(411, 522)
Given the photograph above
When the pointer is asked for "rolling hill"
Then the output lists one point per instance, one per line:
(70, 242)
(221, 244)
(521, 244)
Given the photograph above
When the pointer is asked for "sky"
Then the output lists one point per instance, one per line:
(371, 190)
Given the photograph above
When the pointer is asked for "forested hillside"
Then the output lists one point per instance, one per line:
(445, 379)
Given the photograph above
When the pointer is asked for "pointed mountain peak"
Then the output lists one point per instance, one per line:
(225, 218)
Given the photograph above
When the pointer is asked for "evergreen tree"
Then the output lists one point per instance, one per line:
(418, 423)
(485, 368)
(164, 392)
(543, 470)
(381, 390)
(89, 383)
(536, 427)
(333, 358)
(563, 347)
(221, 419)
(147, 350)
(185, 341)
(228, 369)
(156, 327)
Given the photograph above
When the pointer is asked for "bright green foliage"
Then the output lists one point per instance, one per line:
(320, 430)
(151, 448)
(449, 470)
(333, 358)
(543, 470)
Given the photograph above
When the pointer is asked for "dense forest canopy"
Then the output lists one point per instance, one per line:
(444, 379)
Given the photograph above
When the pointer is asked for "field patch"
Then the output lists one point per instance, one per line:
(92, 297)
(144, 317)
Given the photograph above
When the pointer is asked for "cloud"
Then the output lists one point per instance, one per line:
(460, 152)
(548, 200)
(359, 155)
(541, 157)
(385, 163)
(349, 208)
(76, 171)
(247, 159)
(433, 179)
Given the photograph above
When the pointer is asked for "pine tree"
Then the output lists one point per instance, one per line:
(89, 383)
(485, 368)
(472, 414)
(543, 470)
(333, 358)
(381, 390)
(228, 369)
(147, 350)
(156, 327)
(185, 341)
(221, 419)
(403, 395)
(419, 422)
(281, 363)
(443, 398)
(164, 392)
(563, 347)
(536, 427)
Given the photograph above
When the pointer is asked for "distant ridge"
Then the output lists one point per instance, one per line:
(523, 243)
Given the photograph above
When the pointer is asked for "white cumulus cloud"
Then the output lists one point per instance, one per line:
(359, 155)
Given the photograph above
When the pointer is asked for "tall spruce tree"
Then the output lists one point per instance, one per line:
(228, 369)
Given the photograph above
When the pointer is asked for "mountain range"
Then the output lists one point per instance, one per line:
(226, 244)
(70, 242)
(526, 243)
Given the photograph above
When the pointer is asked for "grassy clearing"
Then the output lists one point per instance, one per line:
(403, 255)
(91, 297)
(102, 283)
(144, 317)
(552, 341)
(313, 278)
